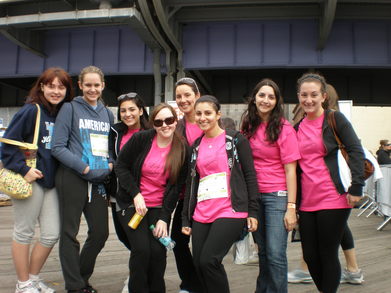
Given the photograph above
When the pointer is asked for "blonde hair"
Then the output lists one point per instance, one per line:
(91, 69)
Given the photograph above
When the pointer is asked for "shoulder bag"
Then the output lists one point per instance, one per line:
(12, 183)
(343, 157)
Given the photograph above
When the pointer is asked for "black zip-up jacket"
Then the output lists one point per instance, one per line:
(128, 170)
(117, 131)
(243, 181)
(353, 147)
(383, 157)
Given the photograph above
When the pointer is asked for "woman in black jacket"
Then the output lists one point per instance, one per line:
(383, 153)
(325, 205)
(221, 195)
(151, 170)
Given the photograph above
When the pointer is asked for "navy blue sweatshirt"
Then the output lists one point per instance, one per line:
(22, 128)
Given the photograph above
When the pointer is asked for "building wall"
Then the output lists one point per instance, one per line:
(372, 124)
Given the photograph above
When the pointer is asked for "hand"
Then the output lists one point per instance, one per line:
(186, 231)
(86, 170)
(160, 229)
(290, 219)
(32, 175)
(352, 199)
(111, 166)
(139, 204)
(252, 224)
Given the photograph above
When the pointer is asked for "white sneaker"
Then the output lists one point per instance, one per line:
(29, 288)
(42, 287)
(125, 289)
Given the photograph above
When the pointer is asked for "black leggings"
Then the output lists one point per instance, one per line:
(147, 262)
(211, 242)
(347, 241)
(183, 257)
(321, 234)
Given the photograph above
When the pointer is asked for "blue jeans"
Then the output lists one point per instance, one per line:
(271, 238)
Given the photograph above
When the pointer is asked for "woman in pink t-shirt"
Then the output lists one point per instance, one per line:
(324, 204)
(220, 200)
(151, 170)
(132, 118)
(186, 94)
(275, 150)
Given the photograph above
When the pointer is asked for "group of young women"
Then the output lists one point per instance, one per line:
(220, 182)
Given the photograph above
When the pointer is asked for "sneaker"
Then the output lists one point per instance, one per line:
(183, 291)
(299, 276)
(352, 277)
(42, 287)
(89, 289)
(125, 289)
(29, 288)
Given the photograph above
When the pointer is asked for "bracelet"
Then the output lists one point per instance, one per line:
(292, 202)
(291, 205)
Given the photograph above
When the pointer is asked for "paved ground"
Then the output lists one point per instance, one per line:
(373, 247)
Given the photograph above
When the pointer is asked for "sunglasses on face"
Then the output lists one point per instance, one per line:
(167, 121)
(128, 95)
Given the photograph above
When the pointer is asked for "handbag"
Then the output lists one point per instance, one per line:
(343, 157)
(12, 183)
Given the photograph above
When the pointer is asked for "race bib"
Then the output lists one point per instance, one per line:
(213, 186)
(99, 145)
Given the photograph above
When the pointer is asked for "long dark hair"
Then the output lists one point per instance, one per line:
(135, 98)
(176, 157)
(36, 95)
(251, 120)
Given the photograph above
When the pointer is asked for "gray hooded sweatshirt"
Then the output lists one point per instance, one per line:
(80, 139)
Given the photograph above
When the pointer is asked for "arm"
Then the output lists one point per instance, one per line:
(356, 155)
(291, 181)
(124, 164)
(21, 128)
(247, 165)
(61, 137)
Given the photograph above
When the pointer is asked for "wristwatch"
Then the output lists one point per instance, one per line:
(291, 205)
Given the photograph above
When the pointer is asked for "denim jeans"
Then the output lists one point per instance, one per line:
(271, 238)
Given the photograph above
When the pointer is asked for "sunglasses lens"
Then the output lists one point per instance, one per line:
(167, 121)
(158, 122)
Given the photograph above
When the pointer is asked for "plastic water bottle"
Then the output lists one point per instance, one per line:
(167, 242)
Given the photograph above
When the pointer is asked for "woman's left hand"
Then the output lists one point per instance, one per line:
(252, 224)
(352, 199)
(111, 166)
(160, 229)
(290, 219)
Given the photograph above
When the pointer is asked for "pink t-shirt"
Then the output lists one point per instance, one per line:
(269, 158)
(127, 136)
(192, 132)
(153, 179)
(317, 187)
(212, 158)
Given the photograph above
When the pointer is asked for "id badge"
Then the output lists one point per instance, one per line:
(213, 186)
(99, 145)
(282, 193)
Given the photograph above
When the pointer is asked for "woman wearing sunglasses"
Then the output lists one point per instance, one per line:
(133, 117)
(151, 170)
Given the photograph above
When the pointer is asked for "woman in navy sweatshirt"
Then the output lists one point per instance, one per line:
(80, 143)
(49, 92)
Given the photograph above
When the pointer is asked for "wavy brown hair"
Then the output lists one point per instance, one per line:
(176, 157)
(251, 120)
(36, 95)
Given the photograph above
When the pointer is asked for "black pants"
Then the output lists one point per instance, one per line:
(321, 234)
(183, 257)
(347, 241)
(211, 242)
(148, 261)
(121, 234)
(77, 267)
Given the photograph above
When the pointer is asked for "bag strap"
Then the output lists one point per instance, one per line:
(333, 125)
(26, 145)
